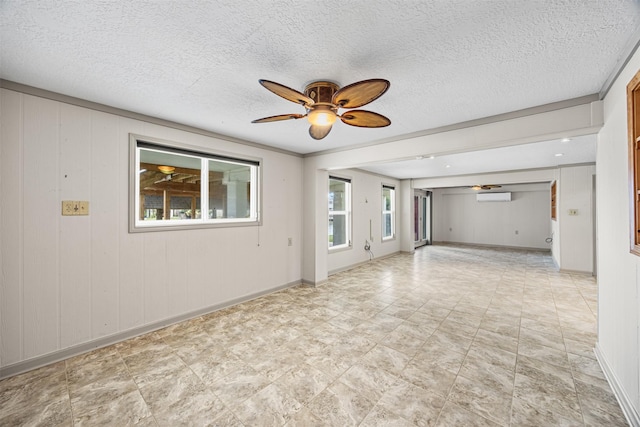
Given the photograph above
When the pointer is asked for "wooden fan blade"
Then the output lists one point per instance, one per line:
(319, 132)
(278, 118)
(360, 93)
(365, 119)
(287, 93)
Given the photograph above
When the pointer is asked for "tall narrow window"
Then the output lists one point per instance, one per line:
(633, 118)
(554, 200)
(339, 213)
(174, 187)
(388, 212)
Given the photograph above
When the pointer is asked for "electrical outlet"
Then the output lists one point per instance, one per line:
(74, 207)
(573, 212)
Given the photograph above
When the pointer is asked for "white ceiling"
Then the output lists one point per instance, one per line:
(448, 61)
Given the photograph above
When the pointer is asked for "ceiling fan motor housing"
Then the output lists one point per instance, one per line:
(321, 91)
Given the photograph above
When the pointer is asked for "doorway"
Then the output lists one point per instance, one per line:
(422, 214)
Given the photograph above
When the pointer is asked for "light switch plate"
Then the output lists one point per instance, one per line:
(75, 207)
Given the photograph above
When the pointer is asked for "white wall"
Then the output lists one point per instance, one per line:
(70, 280)
(459, 217)
(575, 192)
(366, 196)
(618, 345)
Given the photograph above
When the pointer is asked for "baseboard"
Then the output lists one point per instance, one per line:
(483, 245)
(312, 283)
(57, 356)
(625, 403)
(585, 273)
(358, 264)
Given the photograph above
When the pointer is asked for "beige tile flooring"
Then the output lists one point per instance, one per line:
(448, 336)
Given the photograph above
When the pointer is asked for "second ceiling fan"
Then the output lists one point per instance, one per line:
(322, 99)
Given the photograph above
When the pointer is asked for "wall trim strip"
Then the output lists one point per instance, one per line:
(623, 399)
(358, 264)
(57, 356)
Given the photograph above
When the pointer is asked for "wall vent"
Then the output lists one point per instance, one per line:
(493, 197)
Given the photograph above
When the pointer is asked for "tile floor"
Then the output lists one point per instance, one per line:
(450, 335)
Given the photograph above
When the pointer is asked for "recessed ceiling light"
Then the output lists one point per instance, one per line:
(432, 157)
(447, 166)
(565, 140)
(559, 154)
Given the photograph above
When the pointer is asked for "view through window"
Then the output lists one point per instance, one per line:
(339, 212)
(178, 187)
(388, 212)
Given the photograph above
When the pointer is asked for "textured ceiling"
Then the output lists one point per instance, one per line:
(198, 62)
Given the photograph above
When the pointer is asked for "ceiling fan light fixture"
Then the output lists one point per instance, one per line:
(322, 99)
(166, 169)
(322, 115)
(478, 187)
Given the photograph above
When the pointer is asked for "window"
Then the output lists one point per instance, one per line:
(339, 213)
(554, 200)
(388, 212)
(633, 118)
(175, 187)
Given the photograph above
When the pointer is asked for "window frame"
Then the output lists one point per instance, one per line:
(347, 213)
(633, 120)
(391, 212)
(138, 142)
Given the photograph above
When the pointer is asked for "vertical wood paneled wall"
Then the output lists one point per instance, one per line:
(68, 280)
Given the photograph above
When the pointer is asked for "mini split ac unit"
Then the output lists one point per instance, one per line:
(493, 197)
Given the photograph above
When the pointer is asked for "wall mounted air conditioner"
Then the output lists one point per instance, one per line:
(493, 197)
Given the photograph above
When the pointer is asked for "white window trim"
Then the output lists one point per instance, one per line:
(135, 225)
(347, 213)
(392, 212)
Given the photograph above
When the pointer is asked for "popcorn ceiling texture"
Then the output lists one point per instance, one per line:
(198, 62)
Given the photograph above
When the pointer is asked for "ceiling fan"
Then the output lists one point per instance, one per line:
(484, 187)
(322, 99)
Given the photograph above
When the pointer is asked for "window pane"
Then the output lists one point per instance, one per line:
(386, 199)
(339, 212)
(337, 230)
(229, 190)
(388, 208)
(169, 186)
(337, 195)
(388, 231)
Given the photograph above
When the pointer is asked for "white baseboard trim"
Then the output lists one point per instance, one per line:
(358, 264)
(57, 356)
(489, 246)
(625, 403)
(581, 272)
(313, 284)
